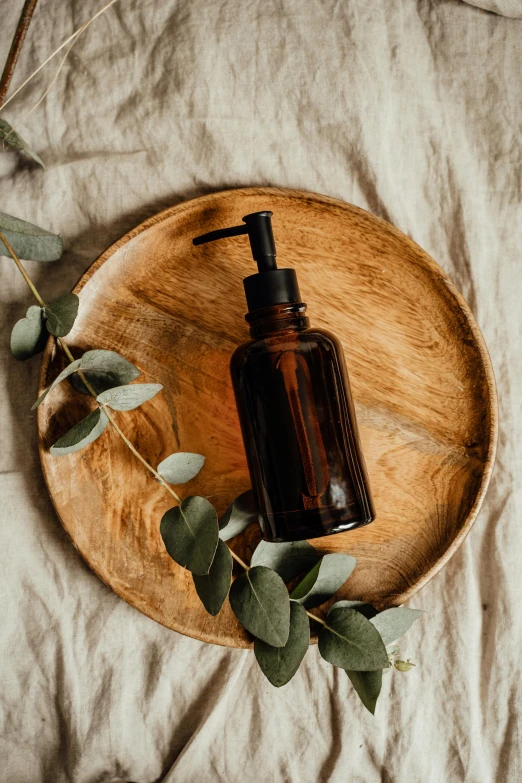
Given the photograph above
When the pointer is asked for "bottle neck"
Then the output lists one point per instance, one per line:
(277, 318)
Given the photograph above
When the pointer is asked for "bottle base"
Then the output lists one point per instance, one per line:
(305, 532)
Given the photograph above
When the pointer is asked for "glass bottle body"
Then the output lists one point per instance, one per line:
(299, 429)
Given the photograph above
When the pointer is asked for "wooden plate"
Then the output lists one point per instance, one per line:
(420, 374)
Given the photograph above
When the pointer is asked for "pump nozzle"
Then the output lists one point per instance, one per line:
(259, 229)
(271, 285)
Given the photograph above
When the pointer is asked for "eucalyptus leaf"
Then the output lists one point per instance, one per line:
(366, 609)
(72, 367)
(83, 433)
(213, 587)
(61, 314)
(181, 467)
(279, 664)
(29, 241)
(11, 137)
(126, 398)
(350, 641)
(259, 599)
(403, 666)
(108, 365)
(190, 534)
(368, 686)
(324, 580)
(29, 335)
(104, 370)
(392, 623)
(238, 516)
(288, 559)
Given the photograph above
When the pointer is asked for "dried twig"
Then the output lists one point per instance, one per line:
(16, 45)
(55, 77)
(59, 49)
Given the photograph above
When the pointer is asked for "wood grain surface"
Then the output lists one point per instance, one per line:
(420, 373)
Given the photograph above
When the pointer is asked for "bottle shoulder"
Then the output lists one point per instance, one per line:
(324, 336)
(288, 340)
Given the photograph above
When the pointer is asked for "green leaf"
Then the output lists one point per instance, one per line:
(350, 641)
(83, 433)
(238, 516)
(368, 686)
(324, 580)
(213, 587)
(190, 534)
(108, 365)
(288, 559)
(61, 314)
(180, 467)
(366, 609)
(29, 241)
(104, 370)
(259, 599)
(126, 398)
(29, 335)
(279, 664)
(392, 623)
(403, 666)
(72, 367)
(14, 140)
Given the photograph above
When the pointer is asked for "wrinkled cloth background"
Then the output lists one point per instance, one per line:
(411, 109)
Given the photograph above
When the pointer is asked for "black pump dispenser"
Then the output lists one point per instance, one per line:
(270, 286)
(294, 405)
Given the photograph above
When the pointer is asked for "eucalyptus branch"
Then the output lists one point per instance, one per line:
(109, 415)
(90, 389)
(16, 45)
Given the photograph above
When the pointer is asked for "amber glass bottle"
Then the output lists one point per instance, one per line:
(295, 407)
(299, 428)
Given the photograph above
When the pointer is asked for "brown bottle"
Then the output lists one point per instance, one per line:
(295, 407)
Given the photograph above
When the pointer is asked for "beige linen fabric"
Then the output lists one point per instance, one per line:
(411, 109)
(511, 8)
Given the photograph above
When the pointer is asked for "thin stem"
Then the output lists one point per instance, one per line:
(47, 91)
(238, 559)
(16, 45)
(313, 616)
(59, 49)
(22, 270)
(65, 349)
(138, 455)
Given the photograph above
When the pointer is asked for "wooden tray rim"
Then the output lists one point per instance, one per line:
(428, 262)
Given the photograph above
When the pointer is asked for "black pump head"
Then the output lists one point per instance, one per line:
(270, 286)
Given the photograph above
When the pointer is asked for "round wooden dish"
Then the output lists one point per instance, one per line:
(420, 374)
